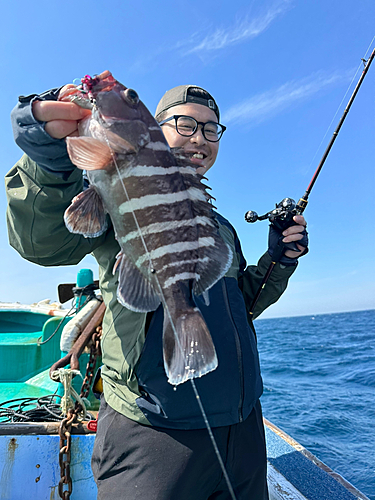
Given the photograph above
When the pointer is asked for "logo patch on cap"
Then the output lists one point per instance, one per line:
(211, 104)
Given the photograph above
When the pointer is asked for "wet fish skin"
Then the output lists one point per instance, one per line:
(170, 245)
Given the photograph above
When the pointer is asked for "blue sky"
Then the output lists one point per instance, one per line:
(279, 71)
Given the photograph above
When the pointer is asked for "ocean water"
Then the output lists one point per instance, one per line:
(319, 387)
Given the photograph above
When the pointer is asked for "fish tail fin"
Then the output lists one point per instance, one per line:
(189, 351)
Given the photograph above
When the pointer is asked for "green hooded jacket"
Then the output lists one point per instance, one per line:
(37, 201)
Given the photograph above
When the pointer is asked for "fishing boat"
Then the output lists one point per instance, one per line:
(46, 458)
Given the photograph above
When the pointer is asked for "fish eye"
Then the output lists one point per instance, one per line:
(130, 96)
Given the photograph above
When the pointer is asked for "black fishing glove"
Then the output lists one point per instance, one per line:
(276, 246)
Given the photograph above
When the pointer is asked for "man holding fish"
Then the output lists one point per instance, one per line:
(172, 275)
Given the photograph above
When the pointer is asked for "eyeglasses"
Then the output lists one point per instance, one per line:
(187, 126)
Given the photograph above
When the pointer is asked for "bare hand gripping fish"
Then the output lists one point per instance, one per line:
(170, 245)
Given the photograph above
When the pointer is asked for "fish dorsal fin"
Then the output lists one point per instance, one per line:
(134, 291)
(192, 178)
(86, 214)
(219, 253)
(88, 153)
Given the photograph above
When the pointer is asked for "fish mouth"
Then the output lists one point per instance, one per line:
(104, 82)
(98, 83)
(105, 74)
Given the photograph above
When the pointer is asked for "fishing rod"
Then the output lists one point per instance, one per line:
(282, 216)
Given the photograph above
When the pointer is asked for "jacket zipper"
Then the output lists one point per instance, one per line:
(238, 348)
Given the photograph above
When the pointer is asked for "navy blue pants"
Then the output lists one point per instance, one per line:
(137, 462)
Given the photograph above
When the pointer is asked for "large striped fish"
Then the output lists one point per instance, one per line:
(170, 246)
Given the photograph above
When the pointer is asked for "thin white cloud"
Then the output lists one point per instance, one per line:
(247, 28)
(207, 42)
(261, 106)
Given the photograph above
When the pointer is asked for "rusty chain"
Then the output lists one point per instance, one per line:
(90, 369)
(65, 432)
(65, 429)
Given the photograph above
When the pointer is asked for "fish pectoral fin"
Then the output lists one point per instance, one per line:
(193, 355)
(86, 214)
(134, 290)
(88, 153)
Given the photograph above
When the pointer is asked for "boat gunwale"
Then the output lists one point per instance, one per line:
(40, 428)
(310, 456)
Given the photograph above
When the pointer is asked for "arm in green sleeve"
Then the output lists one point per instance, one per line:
(37, 201)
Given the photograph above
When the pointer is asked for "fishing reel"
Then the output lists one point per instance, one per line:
(281, 216)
